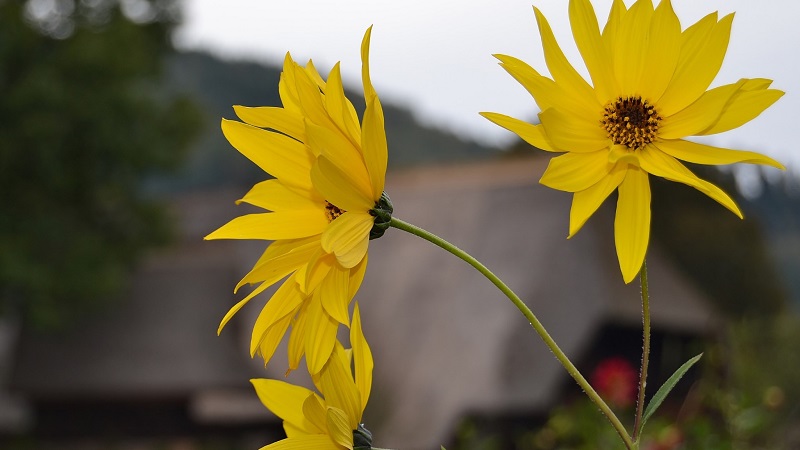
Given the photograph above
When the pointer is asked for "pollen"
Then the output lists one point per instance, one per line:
(630, 121)
(332, 211)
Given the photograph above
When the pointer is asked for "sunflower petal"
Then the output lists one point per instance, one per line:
(659, 163)
(609, 36)
(285, 401)
(269, 339)
(279, 155)
(744, 106)
(374, 146)
(339, 188)
(705, 154)
(240, 304)
(315, 441)
(573, 172)
(357, 276)
(532, 134)
(543, 90)
(273, 226)
(320, 336)
(373, 143)
(631, 45)
(283, 303)
(339, 427)
(297, 339)
(313, 75)
(562, 71)
(703, 47)
(700, 114)
(342, 154)
(274, 265)
(663, 50)
(275, 118)
(318, 267)
(336, 383)
(369, 91)
(287, 88)
(312, 101)
(632, 222)
(315, 410)
(362, 358)
(276, 196)
(587, 36)
(334, 294)
(348, 237)
(569, 135)
(548, 94)
(338, 107)
(586, 202)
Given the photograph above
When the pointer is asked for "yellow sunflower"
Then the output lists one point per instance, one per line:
(326, 202)
(333, 420)
(648, 92)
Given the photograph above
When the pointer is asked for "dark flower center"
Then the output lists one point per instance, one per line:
(332, 211)
(630, 121)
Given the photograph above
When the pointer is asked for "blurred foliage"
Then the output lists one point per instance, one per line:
(726, 257)
(81, 122)
(745, 397)
(777, 206)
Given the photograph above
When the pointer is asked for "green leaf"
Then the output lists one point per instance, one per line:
(665, 389)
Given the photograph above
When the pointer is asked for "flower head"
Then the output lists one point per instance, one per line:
(329, 173)
(333, 420)
(648, 92)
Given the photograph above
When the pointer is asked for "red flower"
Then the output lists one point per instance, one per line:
(615, 380)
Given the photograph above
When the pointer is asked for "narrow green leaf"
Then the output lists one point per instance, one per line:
(665, 389)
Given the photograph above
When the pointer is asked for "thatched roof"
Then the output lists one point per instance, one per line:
(447, 341)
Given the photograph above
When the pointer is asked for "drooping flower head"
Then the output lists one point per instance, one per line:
(326, 201)
(649, 90)
(332, 420)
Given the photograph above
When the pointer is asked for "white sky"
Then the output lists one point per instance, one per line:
(434, 56)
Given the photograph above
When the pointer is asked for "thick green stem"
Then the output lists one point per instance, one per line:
(551, 344)
(645, 352)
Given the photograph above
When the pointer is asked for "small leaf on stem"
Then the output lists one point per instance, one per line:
(665, 389)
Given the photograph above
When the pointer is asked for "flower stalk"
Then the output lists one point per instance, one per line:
(645, 352)
(532, 319)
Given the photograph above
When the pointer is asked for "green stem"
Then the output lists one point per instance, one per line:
(645, 352)
(551, 344)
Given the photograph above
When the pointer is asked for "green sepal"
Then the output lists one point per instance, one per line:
(665, 389)
(362, 438)
(383, 215)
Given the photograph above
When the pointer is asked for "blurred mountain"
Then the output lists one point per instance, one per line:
(217, 85)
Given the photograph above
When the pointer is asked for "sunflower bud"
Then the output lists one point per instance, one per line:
(383, 215)
(362, 438)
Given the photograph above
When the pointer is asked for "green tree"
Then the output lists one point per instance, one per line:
(82, 121)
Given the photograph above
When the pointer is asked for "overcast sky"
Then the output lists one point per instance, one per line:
(435, 56)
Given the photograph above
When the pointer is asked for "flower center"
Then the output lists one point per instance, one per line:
(630, 121)
(332, 211)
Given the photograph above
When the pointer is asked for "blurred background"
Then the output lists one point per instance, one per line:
(113, 168)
